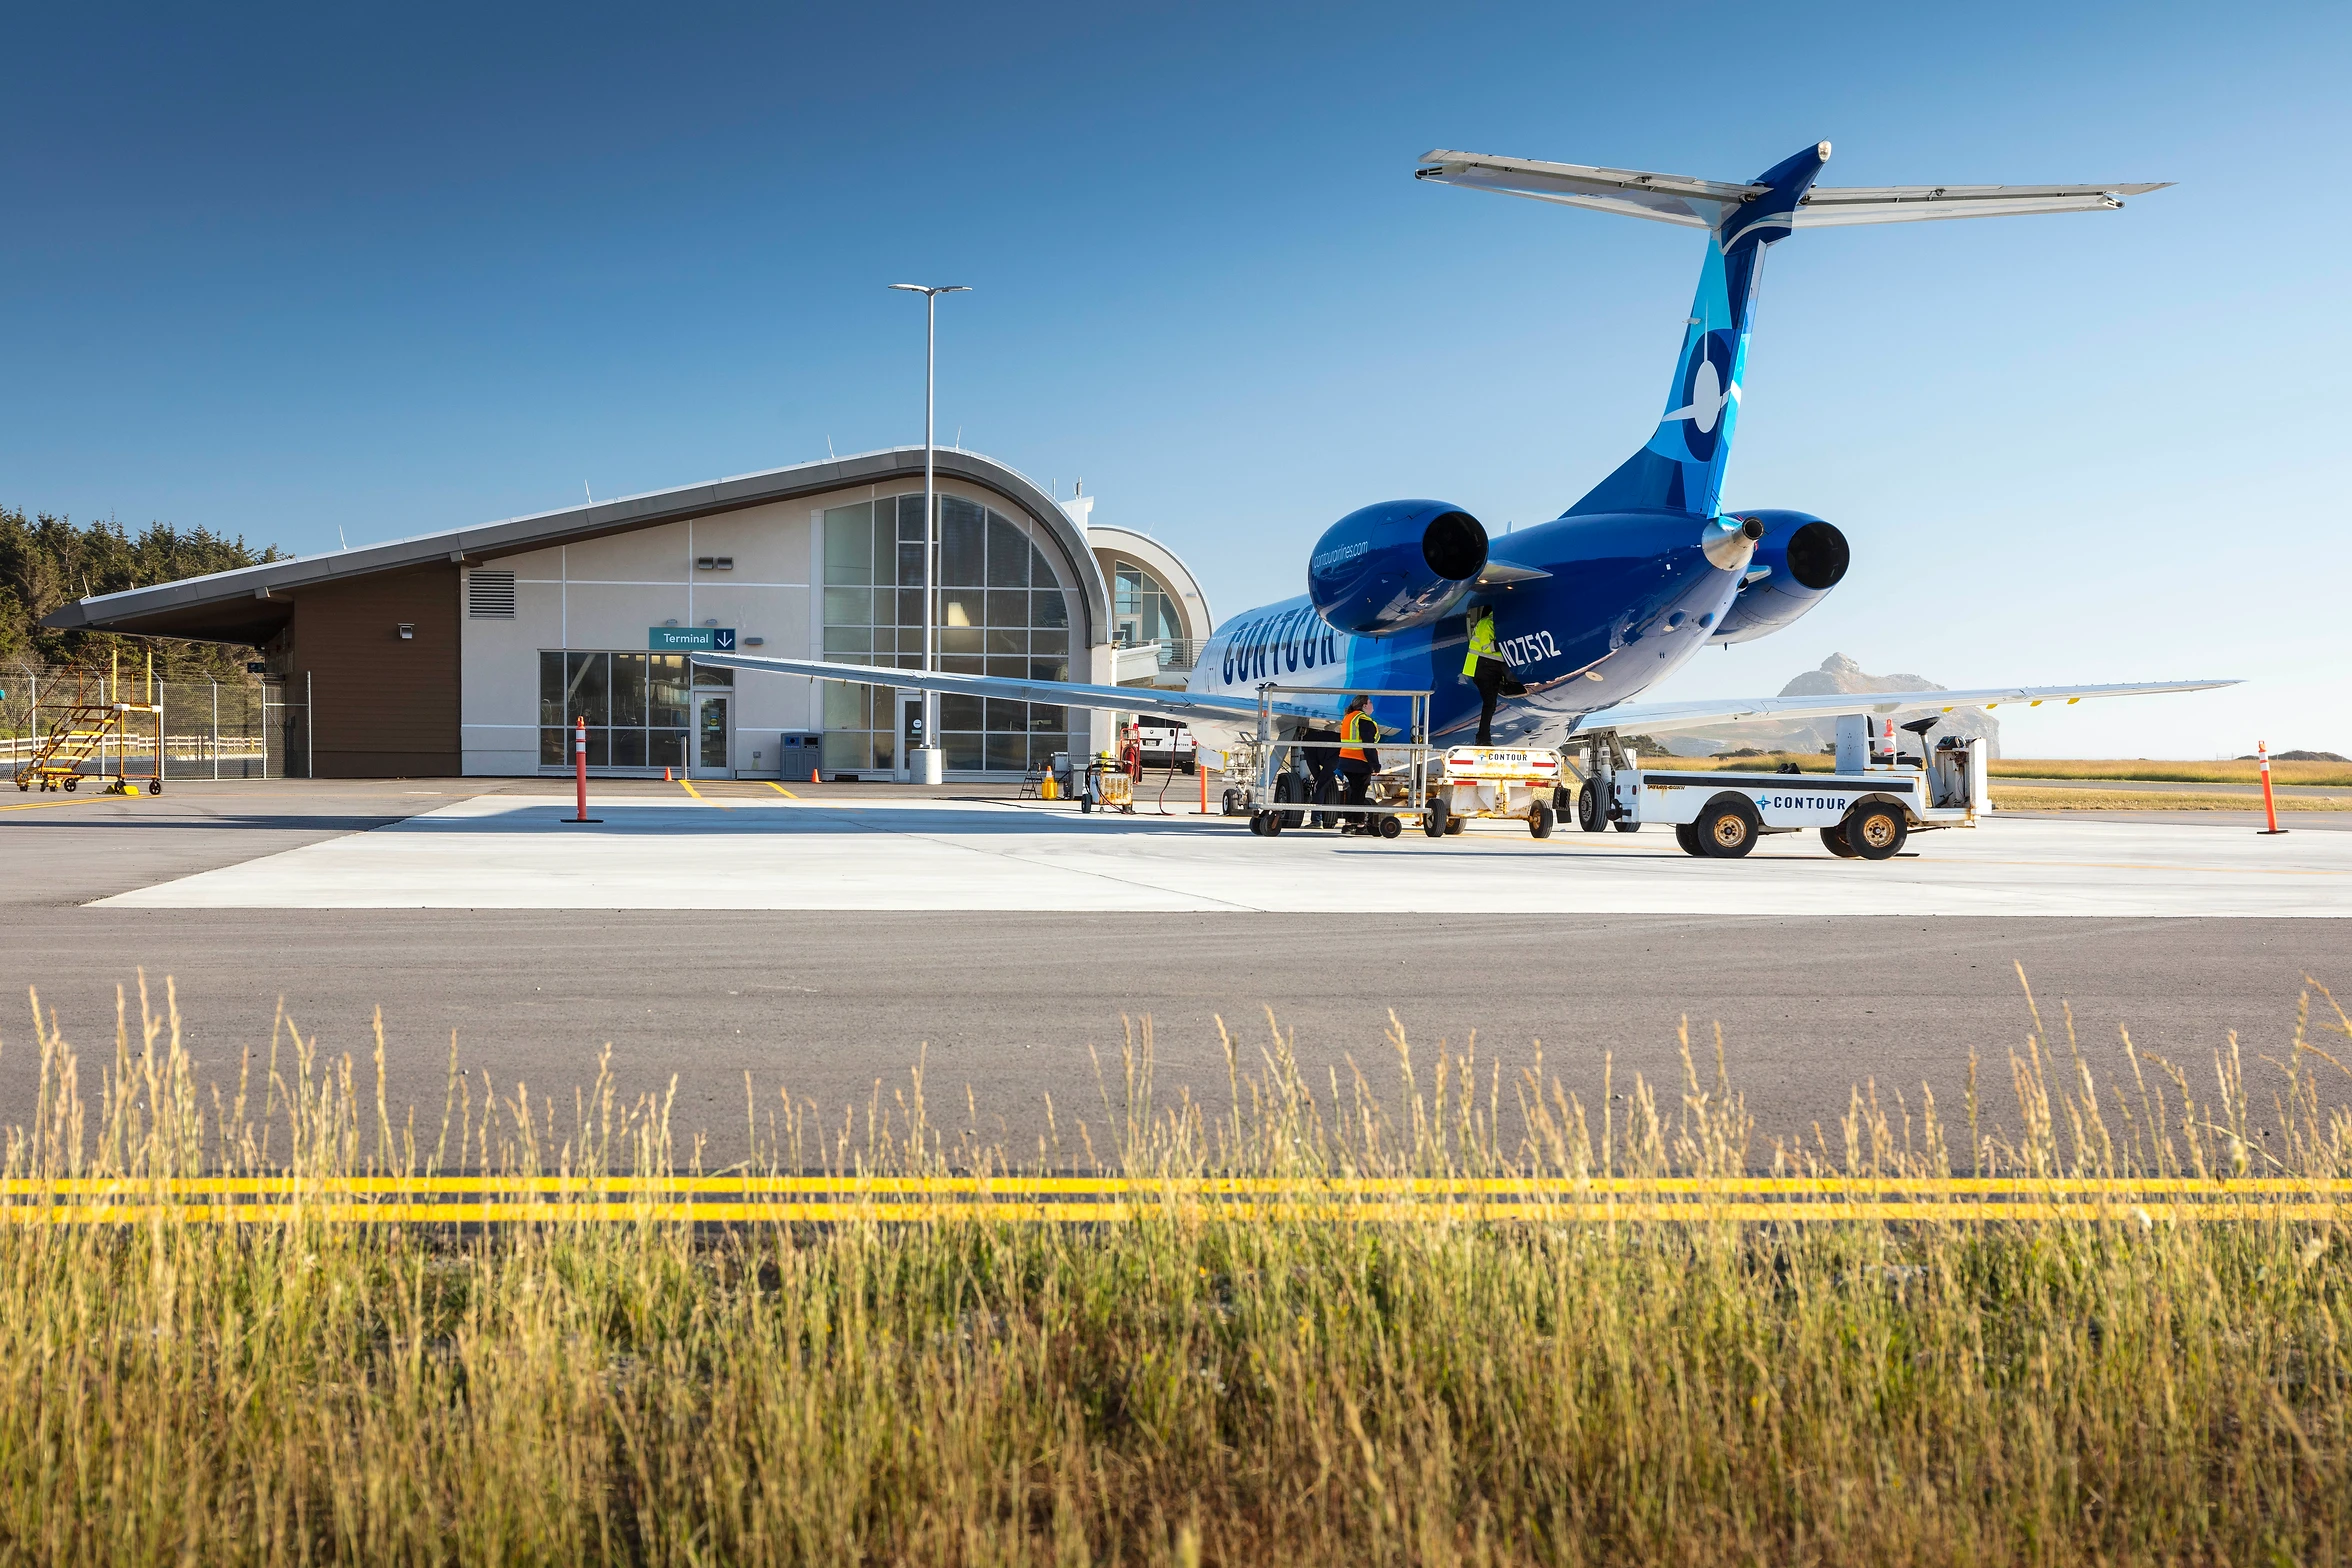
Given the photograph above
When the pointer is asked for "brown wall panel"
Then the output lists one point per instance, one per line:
(385, 705)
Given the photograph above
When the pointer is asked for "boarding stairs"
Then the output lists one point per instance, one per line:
(81, 732)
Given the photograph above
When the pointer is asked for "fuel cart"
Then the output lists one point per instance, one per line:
(1494, 783)
(1866, 813)
(1277, 796)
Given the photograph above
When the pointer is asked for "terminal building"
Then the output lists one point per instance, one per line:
(472, 652)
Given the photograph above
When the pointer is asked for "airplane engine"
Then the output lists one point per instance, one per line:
(1393, 566)
(1801, 559)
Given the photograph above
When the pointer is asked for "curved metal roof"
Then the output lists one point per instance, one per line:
(251, 603)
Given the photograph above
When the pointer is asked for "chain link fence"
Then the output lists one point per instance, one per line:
(249, 729)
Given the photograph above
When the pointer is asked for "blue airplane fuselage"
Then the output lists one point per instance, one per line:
(1627, 599)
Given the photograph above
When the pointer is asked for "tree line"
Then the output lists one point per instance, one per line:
(46, 562)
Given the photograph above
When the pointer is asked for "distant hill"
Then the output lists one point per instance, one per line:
(1837, 674)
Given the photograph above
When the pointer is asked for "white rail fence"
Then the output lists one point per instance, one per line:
(253, 729)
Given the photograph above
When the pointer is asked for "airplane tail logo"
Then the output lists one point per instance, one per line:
(1681, 467)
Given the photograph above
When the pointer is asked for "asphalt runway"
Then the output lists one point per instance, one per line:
(1008, 1007)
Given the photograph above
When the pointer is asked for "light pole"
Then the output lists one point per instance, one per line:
(927, 767)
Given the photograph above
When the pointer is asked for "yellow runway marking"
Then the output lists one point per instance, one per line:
(1097, 1200)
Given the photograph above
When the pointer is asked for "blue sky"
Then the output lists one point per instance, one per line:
(388, 271)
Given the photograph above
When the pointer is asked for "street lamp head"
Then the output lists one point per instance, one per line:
(934, 289)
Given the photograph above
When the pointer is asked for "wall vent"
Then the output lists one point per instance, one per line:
(490, 596)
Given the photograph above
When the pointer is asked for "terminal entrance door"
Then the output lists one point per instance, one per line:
(910, 735)
(713, 738)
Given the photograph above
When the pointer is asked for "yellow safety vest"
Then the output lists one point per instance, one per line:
(1359, 729)
(1482, 644)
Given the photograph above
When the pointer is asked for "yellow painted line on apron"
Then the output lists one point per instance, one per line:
(780, 789)
(688, 786)
(46, 805)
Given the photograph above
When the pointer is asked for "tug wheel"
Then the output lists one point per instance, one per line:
(1433, 820)
(1727, 831)
(1454, 826)
(1539, 820)
(73, 783)
(1687, 835)
(1833, 839)
(1589, 815)
(1876, 832)
(1390, 827)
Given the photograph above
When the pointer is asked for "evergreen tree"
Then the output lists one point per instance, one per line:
(46, 562)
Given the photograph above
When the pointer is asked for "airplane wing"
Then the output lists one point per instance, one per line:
(1185, 706)
(1660, 717)
(1829, 208)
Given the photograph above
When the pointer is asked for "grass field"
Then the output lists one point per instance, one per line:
(2118, 768)
(1184, 1388)
(2013, 797)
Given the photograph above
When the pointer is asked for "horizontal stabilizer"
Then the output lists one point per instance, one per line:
(1835, 208)
(1666, 717)
(1663, 198)
(1182, 705)
(1703, 204)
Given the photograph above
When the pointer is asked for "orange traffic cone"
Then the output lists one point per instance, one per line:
(666, 779)
(813, 779)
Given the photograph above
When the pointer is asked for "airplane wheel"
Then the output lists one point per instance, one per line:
(1286, 787)
(1876, 832)
(1085, 805)
(1589, 815)
(1539, 820)
(1391, 827)
(1687, 835)
(1233, 803)
(1727, 831)
(1834, 840)
(1433, 821)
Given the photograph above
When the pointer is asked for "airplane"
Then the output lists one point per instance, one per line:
(1620, 590)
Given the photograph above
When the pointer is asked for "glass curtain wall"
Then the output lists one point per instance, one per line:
(1002, 612)
(1142, 609)
(637, 706)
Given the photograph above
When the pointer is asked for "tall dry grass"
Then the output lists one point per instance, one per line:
(1181, 1387)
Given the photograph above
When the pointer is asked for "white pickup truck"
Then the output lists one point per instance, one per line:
(1865, 814)
(1165, 744)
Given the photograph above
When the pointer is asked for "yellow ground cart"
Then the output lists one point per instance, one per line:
(1493, 783)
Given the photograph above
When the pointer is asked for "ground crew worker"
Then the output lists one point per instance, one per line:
(1484, 664)
(1320, 758)
(1357, 758)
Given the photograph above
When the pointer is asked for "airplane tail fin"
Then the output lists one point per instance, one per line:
(1681, 467)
